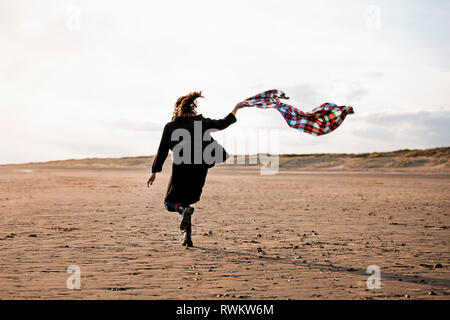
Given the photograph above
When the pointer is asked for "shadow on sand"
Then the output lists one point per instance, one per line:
(417, 279)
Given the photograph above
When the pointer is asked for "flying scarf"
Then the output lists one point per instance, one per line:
(320, 121)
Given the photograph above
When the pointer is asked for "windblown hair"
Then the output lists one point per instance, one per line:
(186, 105)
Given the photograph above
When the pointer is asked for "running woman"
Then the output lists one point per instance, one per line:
(187, 135)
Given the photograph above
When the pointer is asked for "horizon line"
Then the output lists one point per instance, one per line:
(232, 155)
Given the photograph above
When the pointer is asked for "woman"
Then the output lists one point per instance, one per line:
(194, 152)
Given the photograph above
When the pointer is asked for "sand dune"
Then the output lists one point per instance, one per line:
(436, 159)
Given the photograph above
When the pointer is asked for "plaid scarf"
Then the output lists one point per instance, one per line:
(320, 121)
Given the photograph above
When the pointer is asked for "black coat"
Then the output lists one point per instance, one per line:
(190, 167)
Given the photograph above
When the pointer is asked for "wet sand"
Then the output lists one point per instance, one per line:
(294, 235)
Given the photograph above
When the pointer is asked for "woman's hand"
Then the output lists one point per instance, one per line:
(151, 179)
(240, 105)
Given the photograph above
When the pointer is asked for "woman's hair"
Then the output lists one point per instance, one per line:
(186, 105)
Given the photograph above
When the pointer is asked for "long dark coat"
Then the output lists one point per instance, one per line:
(188, 176)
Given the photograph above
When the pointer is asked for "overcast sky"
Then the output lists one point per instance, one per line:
(99, 78)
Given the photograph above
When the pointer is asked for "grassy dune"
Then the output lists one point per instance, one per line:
(436, 159)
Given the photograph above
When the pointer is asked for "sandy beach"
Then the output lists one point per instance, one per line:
(294, 235)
